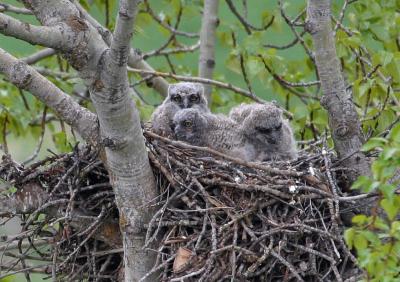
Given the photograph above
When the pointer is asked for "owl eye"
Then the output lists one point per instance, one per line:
(194, 98)
(263, 130)
(177, 98)
(187, 123)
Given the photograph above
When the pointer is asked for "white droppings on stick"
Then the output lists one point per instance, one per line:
(311, 170)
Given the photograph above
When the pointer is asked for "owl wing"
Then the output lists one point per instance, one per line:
(224, 134)
(240, 112)
(162, 119)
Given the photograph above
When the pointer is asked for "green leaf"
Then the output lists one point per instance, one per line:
(387, 190)
(394, 69)
(390, 208)
(383, 58)
(253, 42)
(360, 242)
(349, 237)
(395, 133)
(362, 181)
(373, 143)
(254, 66)
(390, 152)
(381, 224)
(395, 228)
(233, 63)
(360, 219)
(352, 41)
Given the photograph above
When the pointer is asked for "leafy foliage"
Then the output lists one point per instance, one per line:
(376, 238)
(368, 45)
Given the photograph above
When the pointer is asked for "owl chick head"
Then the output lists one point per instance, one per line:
(189, 126)
(264, 124)
(187, 95)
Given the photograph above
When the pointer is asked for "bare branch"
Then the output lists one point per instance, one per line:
(135, 59)
(41, 35)
(247, 26)
(172, 51)
(291, 24)
(17, 10)
(209, 25)
(42, 54)
(158, 83)
(166, 26)
(25, 77)
(201, 80)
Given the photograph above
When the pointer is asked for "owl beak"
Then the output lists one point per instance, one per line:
(172, 125)
(273, 138)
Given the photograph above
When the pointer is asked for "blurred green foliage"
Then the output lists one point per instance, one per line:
(368, 45)
(376, 238)
(370, 31)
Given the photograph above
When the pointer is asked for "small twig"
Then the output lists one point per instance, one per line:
(200, 80)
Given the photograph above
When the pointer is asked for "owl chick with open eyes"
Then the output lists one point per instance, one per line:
(214, 131)
(180, 96)
(267, 130)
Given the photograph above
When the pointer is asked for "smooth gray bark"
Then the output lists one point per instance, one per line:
(31, 59)
(343, 119)
(127, 160)
(207, 43)
(25, 77)
(104, 71)
(41, 35)
(135, 59)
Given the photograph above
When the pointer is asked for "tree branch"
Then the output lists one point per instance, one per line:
(247, 26)
(209, 25)
(158, 83)
(166, 26)
(135, 59)
(41, 35)
(217, 83)
(25, 77)
(172, 51)
(343, 118)
(42, 54)
(17, 10)
(127, 162)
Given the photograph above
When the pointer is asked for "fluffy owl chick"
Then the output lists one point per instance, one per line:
(240, 112)
(214, 131)
(267, 130)
(180, 96)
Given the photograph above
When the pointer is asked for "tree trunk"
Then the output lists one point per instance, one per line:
(207, 43)
(343, 118)
(104, 70)
(127, 160)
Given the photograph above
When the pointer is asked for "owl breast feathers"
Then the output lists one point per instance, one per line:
(180, 96)
(214, 131)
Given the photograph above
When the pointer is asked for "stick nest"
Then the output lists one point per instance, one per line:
(216, 218)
